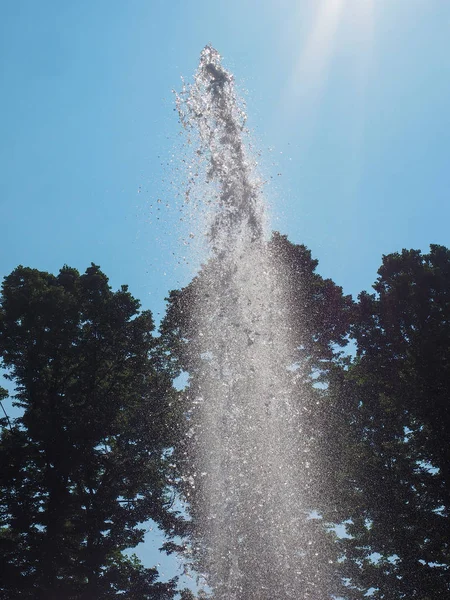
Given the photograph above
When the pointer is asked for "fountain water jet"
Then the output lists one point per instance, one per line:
(247, 482)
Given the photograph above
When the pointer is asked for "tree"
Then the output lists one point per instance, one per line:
(317, 325)
(85, 464)
(396, 467)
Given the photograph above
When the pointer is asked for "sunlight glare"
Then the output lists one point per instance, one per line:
(310, 70)
(315, 57)
(341, 30)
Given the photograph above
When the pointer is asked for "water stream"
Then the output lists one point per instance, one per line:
(247, 480)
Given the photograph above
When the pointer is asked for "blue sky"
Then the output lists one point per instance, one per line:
(348, 100)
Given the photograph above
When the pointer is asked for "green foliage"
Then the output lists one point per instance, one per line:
(395, 469)
(320, 317)
(100, 443)
(85, 465)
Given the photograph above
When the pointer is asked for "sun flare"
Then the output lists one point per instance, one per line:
(335, 22)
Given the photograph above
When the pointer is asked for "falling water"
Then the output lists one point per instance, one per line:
(246, 476)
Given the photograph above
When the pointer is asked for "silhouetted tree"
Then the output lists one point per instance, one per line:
(319, 320)
(85, 464)
(392, 453)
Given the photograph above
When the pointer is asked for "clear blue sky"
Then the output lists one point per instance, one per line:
(349, 101)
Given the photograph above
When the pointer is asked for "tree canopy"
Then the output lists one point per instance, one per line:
(102, 440)
(84, 465)
(320, 316)
(394, 473)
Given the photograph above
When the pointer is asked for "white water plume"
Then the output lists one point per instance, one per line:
(247, 474)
